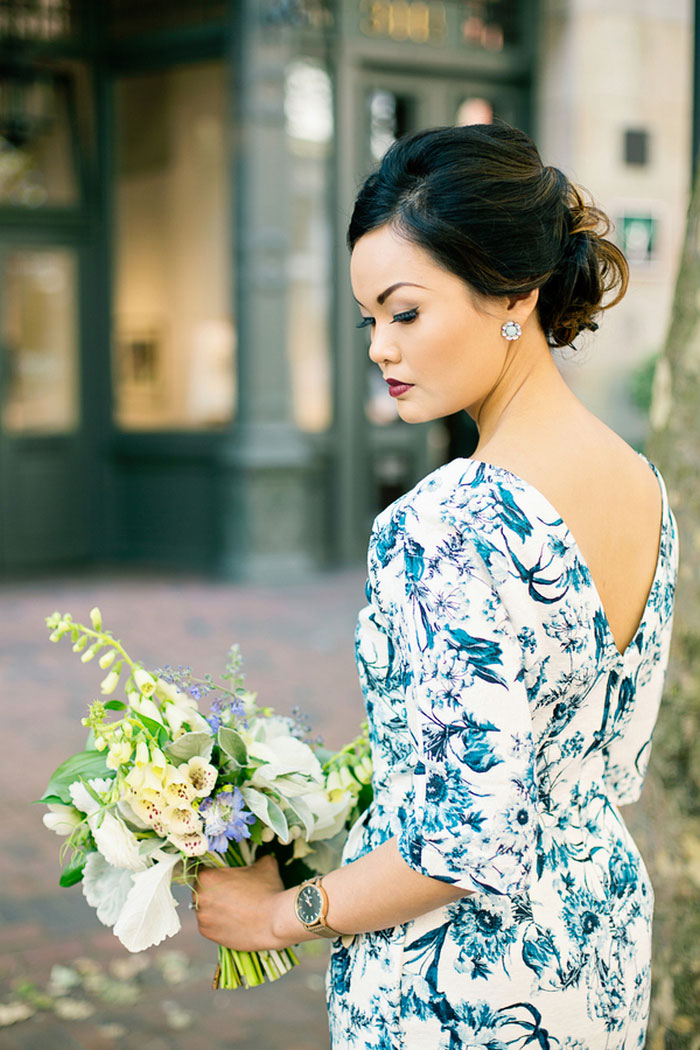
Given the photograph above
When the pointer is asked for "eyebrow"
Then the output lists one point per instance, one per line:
(383, 296)
(392, 288)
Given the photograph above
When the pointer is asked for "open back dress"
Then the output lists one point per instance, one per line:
(506, 729)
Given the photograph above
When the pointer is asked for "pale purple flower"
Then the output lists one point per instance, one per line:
(225, 817)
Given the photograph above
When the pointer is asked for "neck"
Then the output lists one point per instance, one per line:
(528, 389)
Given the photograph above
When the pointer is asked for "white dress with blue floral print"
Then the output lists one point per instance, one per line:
(506, 728)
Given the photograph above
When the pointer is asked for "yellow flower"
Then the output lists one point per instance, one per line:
(143, 778)
(119, 753)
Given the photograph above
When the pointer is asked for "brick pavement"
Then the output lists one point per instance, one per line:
(297, 646)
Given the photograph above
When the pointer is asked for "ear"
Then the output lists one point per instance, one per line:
(521, 306)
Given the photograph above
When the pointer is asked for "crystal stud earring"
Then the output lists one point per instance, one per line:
(511, 330)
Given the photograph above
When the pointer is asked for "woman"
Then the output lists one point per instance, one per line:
(514, 648)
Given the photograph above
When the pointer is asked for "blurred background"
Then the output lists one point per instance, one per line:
(179, 368)
(191, 433)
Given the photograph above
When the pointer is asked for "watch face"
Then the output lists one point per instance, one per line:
(309, 904)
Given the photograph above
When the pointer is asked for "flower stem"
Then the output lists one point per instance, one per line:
(250, 969)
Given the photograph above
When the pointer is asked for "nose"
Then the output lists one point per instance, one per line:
(383, 348)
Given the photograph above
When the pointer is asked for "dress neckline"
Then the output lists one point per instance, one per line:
(621, 656)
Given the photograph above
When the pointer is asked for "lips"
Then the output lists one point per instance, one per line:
(397, 388)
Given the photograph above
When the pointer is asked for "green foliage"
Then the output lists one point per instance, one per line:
(641, 381)
(85, 765)
(73, 872)
(158, 732)
(233, 746)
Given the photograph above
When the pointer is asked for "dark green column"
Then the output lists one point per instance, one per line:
(269, 507)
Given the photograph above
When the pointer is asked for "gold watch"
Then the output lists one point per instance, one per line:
(311, 907)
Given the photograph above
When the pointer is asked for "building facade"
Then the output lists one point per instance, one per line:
(182, 381)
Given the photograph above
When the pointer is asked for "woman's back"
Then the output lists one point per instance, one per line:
(604, 492)
(506, 727)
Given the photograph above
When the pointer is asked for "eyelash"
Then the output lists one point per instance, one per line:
(403, 318)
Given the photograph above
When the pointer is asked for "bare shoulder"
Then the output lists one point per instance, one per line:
(582, 469)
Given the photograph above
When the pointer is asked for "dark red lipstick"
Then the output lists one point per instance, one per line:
(396, 387)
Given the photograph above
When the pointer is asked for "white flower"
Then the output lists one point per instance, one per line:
(145, 706)
(290, 766)
(145, 682)
(61, 819)
(130, 816)
(143, 779)
(175, 717)
(117, 844)
(301, 848)
(148, 915)
(181, 820)
(169, 691)
(329, 817)
(109, 683)
(200, 774)
(177, 787)
(83, 799)
(119, 753)
(149, 805)
(194, 844)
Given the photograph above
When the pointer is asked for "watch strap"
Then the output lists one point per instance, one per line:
(319, 927)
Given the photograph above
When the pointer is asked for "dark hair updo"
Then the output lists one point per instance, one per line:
(479, 200)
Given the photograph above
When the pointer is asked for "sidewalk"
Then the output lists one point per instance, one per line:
(297, 648)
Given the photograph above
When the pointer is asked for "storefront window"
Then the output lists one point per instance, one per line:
(174, 339)
(39, 340)
(37, 141)
(309, 121)
(37, 19)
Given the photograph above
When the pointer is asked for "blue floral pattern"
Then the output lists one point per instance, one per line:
(506, 729)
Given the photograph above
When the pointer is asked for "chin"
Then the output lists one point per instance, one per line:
(415, 414)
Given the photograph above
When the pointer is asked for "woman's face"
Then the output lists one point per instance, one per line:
(439, 349)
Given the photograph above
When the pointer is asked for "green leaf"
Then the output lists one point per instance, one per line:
(158, 731)
(73, 873)
(267, 810)
(86, 764)
(302, 811)
(115, 705)
(277, 820)
(190, 744)
(233, 745)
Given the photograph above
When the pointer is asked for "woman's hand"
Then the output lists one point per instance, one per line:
(236, 906)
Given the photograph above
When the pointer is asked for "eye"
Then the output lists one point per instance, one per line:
(366, 322)
(406, 317)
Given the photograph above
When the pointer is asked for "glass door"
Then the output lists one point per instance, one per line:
(388, 106)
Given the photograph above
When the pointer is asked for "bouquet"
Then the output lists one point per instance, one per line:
(161, 788)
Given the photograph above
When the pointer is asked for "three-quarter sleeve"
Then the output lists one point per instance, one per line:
(472, 818)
